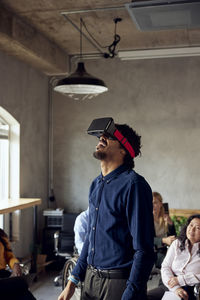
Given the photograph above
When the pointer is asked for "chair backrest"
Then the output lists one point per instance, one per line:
(68, 221)
(66, 236)
(197, 291)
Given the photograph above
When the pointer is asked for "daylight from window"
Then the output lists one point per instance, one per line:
(4, 153)
(9, 158)
(4, 161)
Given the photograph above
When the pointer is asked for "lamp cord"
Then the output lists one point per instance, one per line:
(93, 36)
(117, 38)
(111, 48)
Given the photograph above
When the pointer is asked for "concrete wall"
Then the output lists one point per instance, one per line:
(160, 99)
(24, 94)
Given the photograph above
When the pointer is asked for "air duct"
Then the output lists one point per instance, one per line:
(165, 15)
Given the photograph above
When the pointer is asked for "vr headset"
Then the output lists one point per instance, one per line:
(106, 126)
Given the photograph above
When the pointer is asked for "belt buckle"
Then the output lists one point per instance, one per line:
(104, 273)
(100, 273)
(92, 268)
(95, 270)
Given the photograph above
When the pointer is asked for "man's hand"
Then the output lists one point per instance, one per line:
(168, 240)
(181, 293)
(173, 282)
(17, 271)
(68, 292)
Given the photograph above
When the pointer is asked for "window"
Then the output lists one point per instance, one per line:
(9, 166)
(4, 154)
(4, 166)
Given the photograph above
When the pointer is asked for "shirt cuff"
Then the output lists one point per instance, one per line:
(181, 280)
(174, 288)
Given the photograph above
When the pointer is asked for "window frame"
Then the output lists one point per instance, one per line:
(4, 159)
(14, 169)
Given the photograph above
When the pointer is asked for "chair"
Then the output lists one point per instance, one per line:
(197, 291)
(64, 240)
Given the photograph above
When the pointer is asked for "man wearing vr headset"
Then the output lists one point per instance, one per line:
(117, 256)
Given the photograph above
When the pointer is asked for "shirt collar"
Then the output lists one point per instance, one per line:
(114, 173)
(195, 245)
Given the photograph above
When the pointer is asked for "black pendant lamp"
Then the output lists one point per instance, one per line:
(80, 82)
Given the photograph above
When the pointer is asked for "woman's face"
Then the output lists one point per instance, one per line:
(193, 231)
(156, 206)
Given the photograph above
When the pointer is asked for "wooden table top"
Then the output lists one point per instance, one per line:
(11, 205)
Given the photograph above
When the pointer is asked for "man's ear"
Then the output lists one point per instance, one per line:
(123, 151)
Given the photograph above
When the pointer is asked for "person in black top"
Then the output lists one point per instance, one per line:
(165, 232)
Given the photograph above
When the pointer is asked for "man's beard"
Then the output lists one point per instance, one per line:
(99, 155)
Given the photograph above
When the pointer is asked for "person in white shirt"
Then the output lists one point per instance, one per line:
(180, 269)
(80, 229)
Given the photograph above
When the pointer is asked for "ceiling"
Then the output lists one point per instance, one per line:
(36, 31)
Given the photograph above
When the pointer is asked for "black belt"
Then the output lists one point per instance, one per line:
(111, 274)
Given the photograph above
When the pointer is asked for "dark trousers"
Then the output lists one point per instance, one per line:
(190, 291)
(97, 287)
(15, 288)
(4, 273)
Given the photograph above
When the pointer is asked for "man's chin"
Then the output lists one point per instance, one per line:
(99, 155)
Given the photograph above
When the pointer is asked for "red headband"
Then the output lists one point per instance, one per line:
(124, 142)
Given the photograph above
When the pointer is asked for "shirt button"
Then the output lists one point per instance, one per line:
(97, 208)
(93, 249)
(93, 228)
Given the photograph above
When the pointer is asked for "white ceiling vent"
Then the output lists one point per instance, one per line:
(165, 15)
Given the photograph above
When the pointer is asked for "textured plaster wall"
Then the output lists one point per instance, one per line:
(160, 99)
(24, 94)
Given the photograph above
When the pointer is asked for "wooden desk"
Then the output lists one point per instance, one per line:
(183, 212)
(18, 204)
(11, 205)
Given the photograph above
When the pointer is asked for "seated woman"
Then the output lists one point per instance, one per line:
(7, 257)
(12, 285)
(181, 267)
(164, 229)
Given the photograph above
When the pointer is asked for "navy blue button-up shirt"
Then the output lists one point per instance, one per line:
(120, 229)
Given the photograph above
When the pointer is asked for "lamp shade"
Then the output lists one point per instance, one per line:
(80, 82)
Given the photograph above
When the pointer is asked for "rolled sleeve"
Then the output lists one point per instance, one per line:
(189, 279)
(181, 280)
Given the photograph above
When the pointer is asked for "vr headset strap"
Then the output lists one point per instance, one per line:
(124, 142)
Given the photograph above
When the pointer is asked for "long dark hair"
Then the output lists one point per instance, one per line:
(3, 235)
(182, 236)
